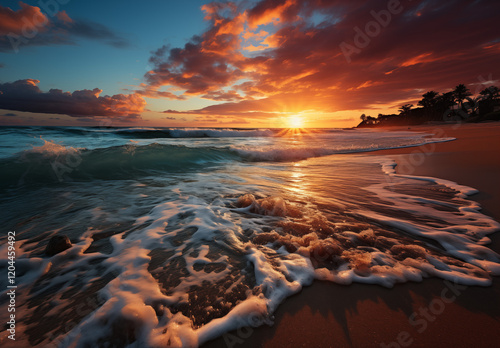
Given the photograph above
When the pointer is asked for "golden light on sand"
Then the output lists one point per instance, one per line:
(295, 122)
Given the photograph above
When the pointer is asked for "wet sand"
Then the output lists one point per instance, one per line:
(444, 315)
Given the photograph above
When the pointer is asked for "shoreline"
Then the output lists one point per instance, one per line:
(360, 315)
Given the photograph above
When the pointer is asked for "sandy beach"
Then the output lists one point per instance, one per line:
(433, 313)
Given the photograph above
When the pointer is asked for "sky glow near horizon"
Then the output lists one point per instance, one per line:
(268, 63)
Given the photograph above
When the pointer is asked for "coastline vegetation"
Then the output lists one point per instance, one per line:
(458, 105)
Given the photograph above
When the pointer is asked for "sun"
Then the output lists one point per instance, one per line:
(295, 122)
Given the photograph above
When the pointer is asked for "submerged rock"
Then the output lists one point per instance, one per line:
(57, 244)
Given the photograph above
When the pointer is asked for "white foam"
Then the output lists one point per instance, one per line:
(197, 219)
(467, 227)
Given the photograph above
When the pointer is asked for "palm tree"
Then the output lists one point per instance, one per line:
(473, 104)
(490, 93)
(445, 101)
(429, 99)
(405, 109)
(447, 98)
(363, 117)
(489, 98)
(461, 92)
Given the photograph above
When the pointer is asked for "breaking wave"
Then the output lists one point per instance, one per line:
(52, 162)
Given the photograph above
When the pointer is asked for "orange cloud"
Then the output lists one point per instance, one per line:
(423, 58)
(269, 11)
(252, 48)
(296, 64)
(251, 35)
(63, 16)
(13, 22)
(29, 26)
(150, 92)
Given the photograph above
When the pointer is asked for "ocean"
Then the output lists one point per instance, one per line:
(182, 235)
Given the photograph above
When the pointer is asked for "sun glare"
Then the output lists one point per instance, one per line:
(295, 122)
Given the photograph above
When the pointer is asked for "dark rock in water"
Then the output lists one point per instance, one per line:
(57, 244)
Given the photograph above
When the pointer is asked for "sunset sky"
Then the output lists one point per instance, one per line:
(245, 63)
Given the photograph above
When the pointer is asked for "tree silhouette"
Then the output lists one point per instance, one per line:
(405, 109)
(490, 93)
(445, 101)
(429, 99)
(371, 120)
(489, 99)
(472, 104)
(461, 92)
(439, 107)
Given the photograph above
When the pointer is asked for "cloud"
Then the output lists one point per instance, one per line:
(266, 12)
(94, 31)
(274, 56)
(25, 95)
(14, 21)
(207, 62)
(265, 108)
(30, 26)
(231, 95)
(150, 92)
